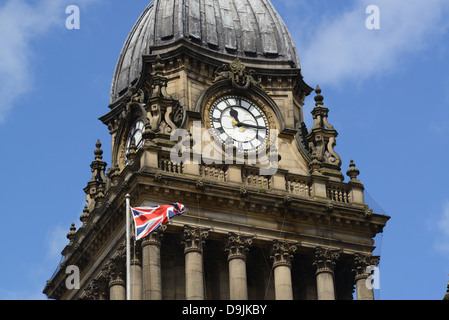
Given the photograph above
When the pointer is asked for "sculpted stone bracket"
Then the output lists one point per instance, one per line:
(238, 75)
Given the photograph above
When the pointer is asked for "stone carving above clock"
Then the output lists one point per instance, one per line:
(237, 74)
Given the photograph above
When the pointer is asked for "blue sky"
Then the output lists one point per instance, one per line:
(387, 91)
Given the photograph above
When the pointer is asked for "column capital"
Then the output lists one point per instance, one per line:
(238, 245)
(155, 237)
(97, 289)
(362, 262)
(282, 253)
(325, 259)
(114, 272)
(194, 238)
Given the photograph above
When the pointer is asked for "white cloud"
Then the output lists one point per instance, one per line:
(443, 226)
(21, 23)
(340, 47)
(56, 241)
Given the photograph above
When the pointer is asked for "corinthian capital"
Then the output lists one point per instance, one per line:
(238, 245)
(194, 238)
(282, 253)
(362, 262)
(325, 259)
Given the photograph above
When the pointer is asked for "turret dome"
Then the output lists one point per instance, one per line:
(236, 28)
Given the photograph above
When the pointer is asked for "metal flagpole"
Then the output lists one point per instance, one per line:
(128, 249)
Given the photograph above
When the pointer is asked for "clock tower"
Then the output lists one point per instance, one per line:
(206, 109)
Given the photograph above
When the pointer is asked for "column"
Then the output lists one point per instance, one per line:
(325, 259)
(193, 251)
(364, 289)
(282, 256)
(237, 247)
(136, 276)
(115, 273)
(151, 265)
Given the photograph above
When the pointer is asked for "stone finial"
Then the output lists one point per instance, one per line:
(97, 182)
(85, 216)
(322, 141)
(98, 166)
(98, 152)
(72, 233)
(158, 65)
(353, 172)
(318, 98)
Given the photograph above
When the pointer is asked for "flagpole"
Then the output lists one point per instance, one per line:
(128, 249)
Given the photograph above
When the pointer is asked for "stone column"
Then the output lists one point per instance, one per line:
(237, 247)
(136, 276)
(364, 288)
(115, 273)
(193, 250)
(151, 265)
(282, 256)
(325, 262)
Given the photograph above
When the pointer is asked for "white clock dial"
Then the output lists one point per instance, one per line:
(135, 136)
(241, 120)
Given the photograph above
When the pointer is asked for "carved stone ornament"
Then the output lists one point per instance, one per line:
(237, 246)
(237, 74)
(95, 188)
(194, 239)
(322, 140)
(325, 259)
(282, 254)
(362, 262)
(164, 113)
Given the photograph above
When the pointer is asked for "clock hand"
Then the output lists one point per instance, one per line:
(249, 126)
(234, 114)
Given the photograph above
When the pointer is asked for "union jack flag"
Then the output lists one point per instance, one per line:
(149, 219)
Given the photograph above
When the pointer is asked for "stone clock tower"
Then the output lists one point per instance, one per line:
(207, 110)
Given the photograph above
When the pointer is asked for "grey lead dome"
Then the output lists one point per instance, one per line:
(243, 28)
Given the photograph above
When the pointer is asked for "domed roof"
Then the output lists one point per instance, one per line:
(244, 28)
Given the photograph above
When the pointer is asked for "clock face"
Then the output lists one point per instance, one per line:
(239, 121)
(135, 135)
